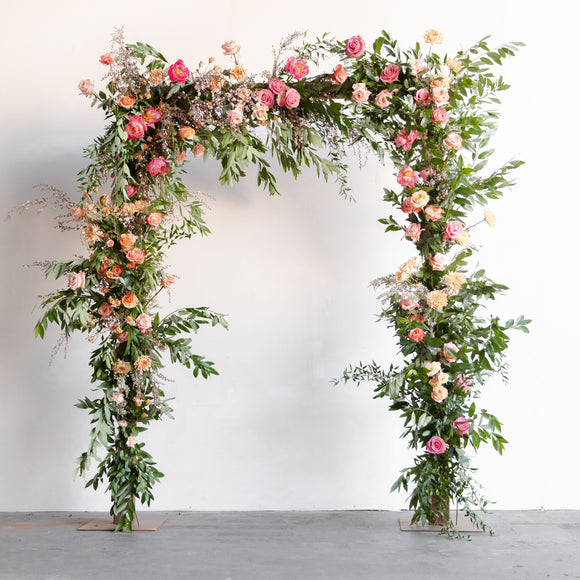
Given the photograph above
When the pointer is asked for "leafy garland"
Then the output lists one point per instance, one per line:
(432, 116)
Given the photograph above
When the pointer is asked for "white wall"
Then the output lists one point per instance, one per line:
(292, 272)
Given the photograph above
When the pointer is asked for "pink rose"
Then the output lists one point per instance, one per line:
(390, 73)
(355, 46)
(440, 115)
(297, 68)
(235, 117)
(280, 99)
(438, 262)
(123, 336)
(178, 72)
(136, 127)
(340, 75)
(425, 173)
(413, 231)
(434, 213)
(449, 351)
(157, 165)
(463, 383)
(416, 334)
(360, 93)
(382, 99)
(462, 425)
(135, 256)
(453, 141)
(105, 310)
(423, 97)
(407, 177)
(154, 219)
(407, 301)
(440, 96)
(131, 191)
(230, 47)
(143, 322)
(405, 140)
(292, 98)
(76, 280)
(107, 58)
(452, 230)
(436, 445)
(420, 66)
(265, 98)
(277, 86)
(86, 87)
(152, 116)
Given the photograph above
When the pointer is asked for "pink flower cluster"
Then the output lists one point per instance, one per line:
(298, 68)
(285, 97)
(178, 72)
(138, 124)
(405, 140)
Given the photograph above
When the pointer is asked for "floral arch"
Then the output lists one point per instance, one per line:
(431, 115)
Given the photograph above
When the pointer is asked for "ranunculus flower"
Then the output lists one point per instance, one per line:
(416, 334)
(407, 177)
(453, 141)
(405, 140)
(235, 117)
(436, 445)
(129, 300)
(407, 301)
(360, 93)
(355, 46)
(154, 219)
(440, 115)
(420, 199)
(86, 87)
(423, 97)
(449, 351)
(107, 58)
(143, 322)
(434, 213)
(462, 425)
(452, 230)
(265, 98)
(291, 99)
(230, 47)
(105, 310)
(127, 241)
(390, 73)
(126, 101)
(76, 280)
(178, 72)
(131, 191)
(413, 231)
(438, 262)
(186, 132)
(277, 86)
(298, 68)
(157, 165)
(382, 99)
(131, 441)
(439, 393)
(136, 256)
(152, 116)
(340, 75)
(440, 96)
(136, 127)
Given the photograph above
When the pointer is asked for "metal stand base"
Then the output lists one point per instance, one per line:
(462, 524)
(143, 523)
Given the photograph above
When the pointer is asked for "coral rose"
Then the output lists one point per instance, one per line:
(186, 132)
(265, 98)
(178, 72)
(105, 310)
(291, 99)
(76, 280)
(127, 101)
(438, 262)
(452, 230)
(230, 47)
(129, 300)
(277, 86)
(107, 58)
(423, 97)
(136, 127)
(143, 322)
(413, 231)
(436, 445)
(416, 334)
(407, 177)
(407, 301)
(86, 87)
(340, 75)
(382, 99)
(434, 213)
(440, 115)
(157, 165)
(136, 256)
(154, 219)
(360, 93)
(127, 241)
(355, 46)
(462, 425)
(453, 141)
(260, 113)
(390, 73)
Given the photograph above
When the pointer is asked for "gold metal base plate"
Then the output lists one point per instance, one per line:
(143, 523)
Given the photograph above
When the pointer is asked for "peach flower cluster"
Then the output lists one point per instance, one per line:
(436, 299)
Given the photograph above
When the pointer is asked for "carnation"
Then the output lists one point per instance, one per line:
(142, 363)
(433, 36)
(454, 280)
(437, 299)
(122, 367)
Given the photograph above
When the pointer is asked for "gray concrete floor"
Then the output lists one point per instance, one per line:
(363, 545)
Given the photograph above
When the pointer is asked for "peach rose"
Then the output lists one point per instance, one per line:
(131, 441)
(136, 256)
(360, 93)
(86, 87)
(136, 127)
(449, 351)
(186, 132)
(291, 99)
(127, 101)
(127, 241)
(407, 301)
(76, 280)
(154, 219)
(407, 177)
(440, 96)
(419, 66)
(420, 199)
(438, 262)
(382, 99)
(178, 72)
(416, 334)
(107, 58)
(265, 98)
(123, 336)
(434, 213)
(157, 165)
(452, 230)
(408, 206)
(439, 394)
(390, 73)
(143, 322)
(440, 115)
(198, 151)
(453, 141)
(433, 368)
(129, 300)
(413, 231)
(230, 48)
(167, 280)
(340, 75)
(105, 310)
(355, 46)
(423, 97)
(277, 86)
(436, 445)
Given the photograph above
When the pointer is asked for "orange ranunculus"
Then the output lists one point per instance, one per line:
(130, 300)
